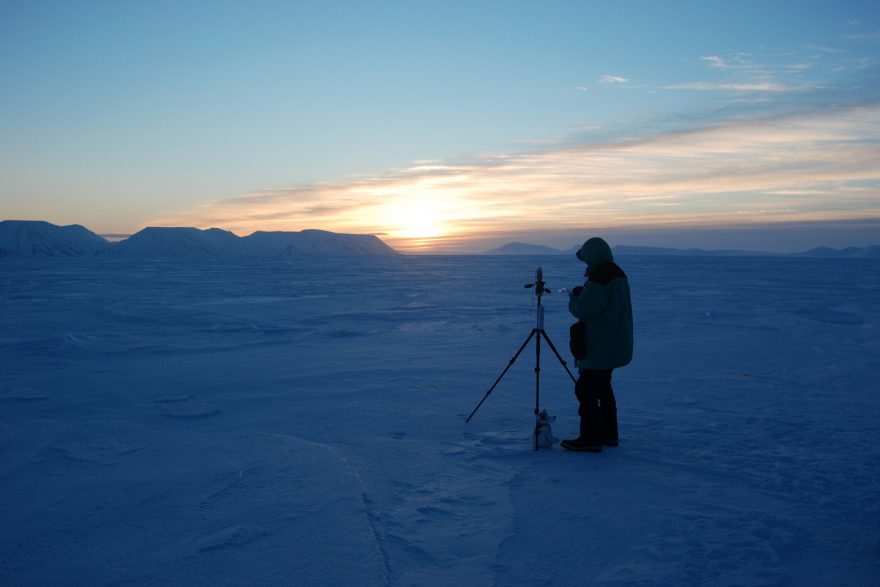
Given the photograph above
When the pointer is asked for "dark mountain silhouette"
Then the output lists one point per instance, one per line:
(36, 238)
(871, 252)
(175, 242)
(29, 238)
(523, 249)
(214, 242)
(314, 242)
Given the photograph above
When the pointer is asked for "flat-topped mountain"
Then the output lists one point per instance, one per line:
(214, 242)
(523, 249)
(314, 242)
(28, 238)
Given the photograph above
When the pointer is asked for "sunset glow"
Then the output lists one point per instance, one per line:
(813, 167)
(566, 119)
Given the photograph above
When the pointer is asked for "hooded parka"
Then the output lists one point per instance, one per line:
(604, 305)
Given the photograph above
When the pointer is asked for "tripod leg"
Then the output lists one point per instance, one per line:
(538, 383)
(509, 365)
(555, 352)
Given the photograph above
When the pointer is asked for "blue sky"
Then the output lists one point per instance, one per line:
(448, 125)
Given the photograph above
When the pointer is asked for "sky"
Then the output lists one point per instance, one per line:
(449, 126)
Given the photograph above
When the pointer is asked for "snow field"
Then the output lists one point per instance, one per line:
(302, 422)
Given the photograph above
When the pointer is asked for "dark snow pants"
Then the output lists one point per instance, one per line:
(598, 407)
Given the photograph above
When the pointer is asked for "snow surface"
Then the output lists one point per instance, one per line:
(301, 422)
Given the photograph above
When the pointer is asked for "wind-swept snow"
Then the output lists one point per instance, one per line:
(301, 421)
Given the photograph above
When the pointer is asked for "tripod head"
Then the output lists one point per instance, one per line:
(540, 290)
(539, 285)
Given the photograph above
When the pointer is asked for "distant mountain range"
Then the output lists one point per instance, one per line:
(872, 252)
(34, 238)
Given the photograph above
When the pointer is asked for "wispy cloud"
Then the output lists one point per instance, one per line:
(610, 80)
(810, 166)
(733, 86)
(738, 61)
(746, 72)
(715, 61)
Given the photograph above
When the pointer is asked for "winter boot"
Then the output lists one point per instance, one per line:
(586, 442)
(581, 444)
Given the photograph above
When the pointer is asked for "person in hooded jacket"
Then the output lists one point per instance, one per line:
(603, 304)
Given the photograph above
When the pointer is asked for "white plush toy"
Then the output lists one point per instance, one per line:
(545, 434)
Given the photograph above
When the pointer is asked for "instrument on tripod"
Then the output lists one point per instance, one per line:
(537, 333)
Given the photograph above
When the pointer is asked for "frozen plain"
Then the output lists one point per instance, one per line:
(301, 422)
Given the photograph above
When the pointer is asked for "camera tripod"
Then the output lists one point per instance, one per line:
(536, 333)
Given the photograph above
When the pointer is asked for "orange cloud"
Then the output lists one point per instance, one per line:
(820, 165)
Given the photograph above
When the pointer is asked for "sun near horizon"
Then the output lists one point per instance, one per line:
(447, 127)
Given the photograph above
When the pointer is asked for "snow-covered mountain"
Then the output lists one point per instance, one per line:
(531, 249)
(176, 242)
(872, 252)
(192, 242)
(692, 252)
(36, 238)
(321, 242)
(523, 249)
